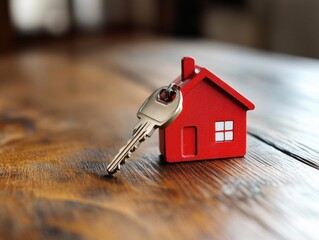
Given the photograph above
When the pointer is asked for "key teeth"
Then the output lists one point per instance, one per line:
(118, 167)
(139, 132)
(133, 150)
(124, 159)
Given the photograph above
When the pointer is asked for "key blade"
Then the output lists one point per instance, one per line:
(138, 137)
(124, 151)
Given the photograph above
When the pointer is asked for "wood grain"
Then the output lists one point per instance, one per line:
(65, 114)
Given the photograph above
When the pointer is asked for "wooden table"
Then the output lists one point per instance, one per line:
(67, 109)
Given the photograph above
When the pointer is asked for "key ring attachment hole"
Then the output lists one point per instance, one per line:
(168, 95)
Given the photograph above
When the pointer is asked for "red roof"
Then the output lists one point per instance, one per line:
(202, 73)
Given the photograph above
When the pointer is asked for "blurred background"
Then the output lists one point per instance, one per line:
(287, 26)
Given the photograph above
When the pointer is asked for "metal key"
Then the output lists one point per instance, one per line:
(154, 113)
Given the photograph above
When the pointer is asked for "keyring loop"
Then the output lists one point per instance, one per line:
(170, 91)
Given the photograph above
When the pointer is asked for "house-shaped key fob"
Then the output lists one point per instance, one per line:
(212, 123)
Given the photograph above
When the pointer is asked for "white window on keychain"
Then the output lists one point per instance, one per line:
(224, 131)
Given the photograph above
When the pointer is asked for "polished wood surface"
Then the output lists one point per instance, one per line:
(66, 110)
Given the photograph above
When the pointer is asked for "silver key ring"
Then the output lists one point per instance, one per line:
(169, 93)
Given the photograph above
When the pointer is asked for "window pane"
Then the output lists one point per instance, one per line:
(219, 137)
(229, 136)
(219, 126)
(229, 125)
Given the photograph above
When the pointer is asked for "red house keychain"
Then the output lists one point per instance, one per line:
(212, 123)
(199, 116)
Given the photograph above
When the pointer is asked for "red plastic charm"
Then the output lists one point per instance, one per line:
(212, 123)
